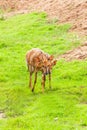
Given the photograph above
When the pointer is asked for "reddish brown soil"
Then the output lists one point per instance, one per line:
(76, 54)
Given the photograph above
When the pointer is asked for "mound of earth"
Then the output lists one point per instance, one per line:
(71, 11)
(75, 54)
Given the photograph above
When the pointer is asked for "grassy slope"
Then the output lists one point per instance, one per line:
(63, 107)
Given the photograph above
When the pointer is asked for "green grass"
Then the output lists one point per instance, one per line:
(62, 108)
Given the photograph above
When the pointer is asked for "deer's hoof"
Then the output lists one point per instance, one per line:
(32, 89)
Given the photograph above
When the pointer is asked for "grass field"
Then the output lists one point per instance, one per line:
(62, 108)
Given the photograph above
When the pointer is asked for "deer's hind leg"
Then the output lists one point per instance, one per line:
(31, 70)
(35, 80)
(30, 81)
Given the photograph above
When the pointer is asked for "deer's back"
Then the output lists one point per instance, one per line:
(35, 53)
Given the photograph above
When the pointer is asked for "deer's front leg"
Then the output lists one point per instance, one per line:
(34, 81)
(50, 80)
(43, 82)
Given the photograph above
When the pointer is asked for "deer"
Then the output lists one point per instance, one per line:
(38, 60)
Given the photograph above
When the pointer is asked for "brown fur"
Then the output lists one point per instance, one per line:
(37, 60)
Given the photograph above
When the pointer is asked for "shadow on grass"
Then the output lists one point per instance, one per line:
(38, 93)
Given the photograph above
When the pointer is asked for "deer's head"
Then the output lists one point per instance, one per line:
(46, 64)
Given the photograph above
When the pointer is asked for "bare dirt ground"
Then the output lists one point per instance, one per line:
(65, 11)
(79, 53)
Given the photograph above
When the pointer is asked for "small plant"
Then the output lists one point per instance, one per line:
(53, 21)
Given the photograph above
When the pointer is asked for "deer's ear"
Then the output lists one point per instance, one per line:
(51, 57)
(54, 62)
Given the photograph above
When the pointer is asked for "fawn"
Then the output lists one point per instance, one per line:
(37, 60)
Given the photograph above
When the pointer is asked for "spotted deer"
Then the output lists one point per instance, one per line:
(37, 60)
